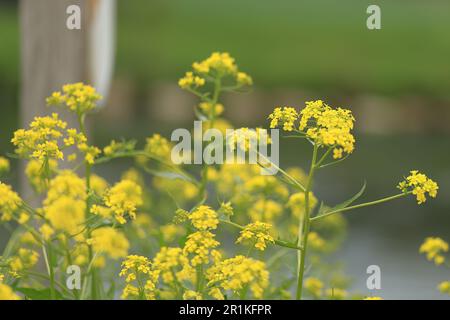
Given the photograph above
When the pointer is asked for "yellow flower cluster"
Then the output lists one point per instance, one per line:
(238, 273)
(77, 97)
(139, 269)
(220, 62)
(258, 233)
(173, 265)
(6, 293)
(326, 126)
(204, 218)
(25, 259)
(314, 287)
(65, 205)
(123, 199)
(208, 109)
(444, 287)
(4, 166)
(9, 202)
(190, 80)
(216, 66)
(110, 241)
(297, 203)
(35, 172)
(265, 210)
(285, 116)
(192, 295)
(200, 244)
(247, 139)
(41, 140)
(159, 147)
(433, 247)
(420, 185)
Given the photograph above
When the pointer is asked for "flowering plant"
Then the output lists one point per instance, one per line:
(168, 224)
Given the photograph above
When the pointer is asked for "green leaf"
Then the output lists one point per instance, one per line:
(324, 209)
(39, 294)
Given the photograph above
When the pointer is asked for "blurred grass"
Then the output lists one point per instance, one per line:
(320, 44)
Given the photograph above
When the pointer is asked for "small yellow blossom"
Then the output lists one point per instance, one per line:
(6, 293)
(124, 198)
(236, 273)
(9, 202)
(172, 262)
(207, 108)
(257, 233)
(204, 218)
(190, 80)
(420, 185)
(433, 247)
(200, 244)
(444, 287)
(314, 287)
(76, 97)
(4, 165)
(192, 295)
(137, 269)
(110, 241)
(285, 116)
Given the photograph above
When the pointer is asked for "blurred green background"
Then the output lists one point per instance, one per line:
(397, 81)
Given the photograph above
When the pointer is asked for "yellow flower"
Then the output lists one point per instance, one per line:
(67, 184)
(243, 79)
(257, 233)
(124, 198)
(219, 62)
(46, 231)
(200, 245)
(170, 231)
(373, 298)
(138, 269)
(24, 260)
(226, 209)
(41, 140)
(6, 293)
(76, 97)
(265, 210)
(314, 286)
(98, 185)
(90, 152)
(328, 127)
(192, 295)
(159, 147)
(315, 241)
(4, 165)
(433, 247)
(444, 287)
(190, 80)
(236, 273)
(297, 203)
(172, 262)
(66, 214)
(285, 116)
(35, 172)
(9, 202)
(207, 108)
(110, 241)
(204, 218)
(336, 293)
(419, 184)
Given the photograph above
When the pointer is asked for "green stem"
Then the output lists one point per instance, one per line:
(303, 228)
(51, 273)
(212, 118)
(361, 205)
